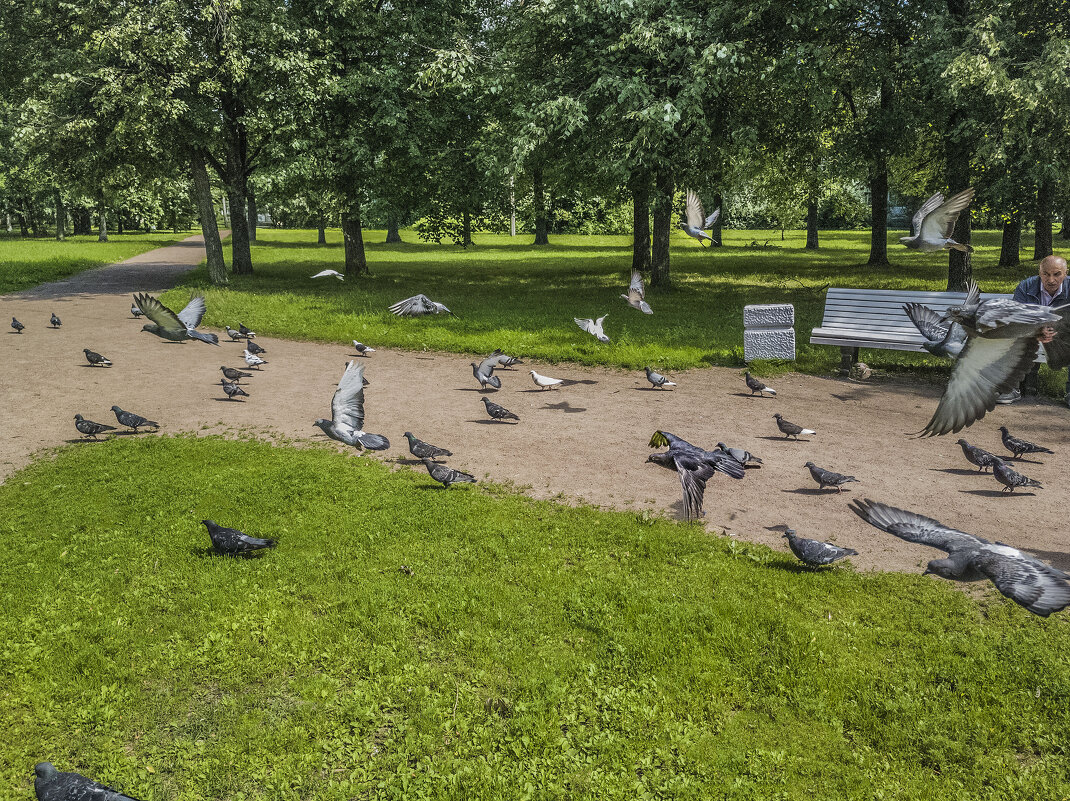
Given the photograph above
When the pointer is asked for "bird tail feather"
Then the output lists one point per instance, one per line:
(374, 442)
(494, 381)
(770, 391)
(211, 339)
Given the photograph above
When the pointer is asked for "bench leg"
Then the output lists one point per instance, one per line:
(848, 359)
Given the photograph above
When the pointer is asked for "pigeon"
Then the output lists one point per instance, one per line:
(504, 359)
(234, 375)
(232, 542)
(446, 475)
(1001, 348)
(1020, 446)
(362, 349)
(694, 466)
(418, 305)
(175, 327)
(245, 332)
(252, 359)
(17, 325)
(636, 293)
(1011, 478)
(942, 338)
(131, 420)
(935, 222)
(593, 327)
(51, 785)
(135, 312)
(745, 458)
(347, 413)
(235, 336)
(978, 456)
(657, 379)
(545, 381)
(484, 373)
(253, 348)
(89, 428)
(756, 386)
(814, 553)
(498, 412)
(96, 359)
(695, 222)
(790, 429)
(424, 450)
(232, 390)
(827, 478)
(55, 322)
(1024, 579)
(329, 274)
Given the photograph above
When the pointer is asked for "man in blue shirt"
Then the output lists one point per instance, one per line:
(1048, 288)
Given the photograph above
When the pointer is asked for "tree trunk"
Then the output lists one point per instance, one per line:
(393, 235)
(466, 231)
(8, 223)
(539, 190)
(252, 216)
(321, 233)
(878, 206)
(35, 222)
(83, 221)
(811, 224)
(23, 230)
(173, 217)
(61, 218)
(640, 221)
(715, 231)
(241, 258)
(356, 262)
(202, 196)
(1042, 242)
(1063, 234)
(1011, 246)
(659, 255)
(957, 155)
(119, 222)
(102, 231)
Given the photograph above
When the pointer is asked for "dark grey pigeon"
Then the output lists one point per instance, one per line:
(1020, 446)
(827, 478)
(745, 458)
(347, 413)
(248, 333)
(484, 373)
(95, 358)
(55, 321)
(424, 450)
(17, 325)
(233, 542)
(135, 312)
(756, 386)
(942, 337)
(234, 375)
(131, 420)
(51, 785)
(657, 379)
(446, 475)
(498, 412)
(89, 428)
(694, 467)
(232, 390)
(790, 429)
(362, 349)
(815, 553)
(1011, 478)
(253, 348)
(1040, 588)
(978, 456)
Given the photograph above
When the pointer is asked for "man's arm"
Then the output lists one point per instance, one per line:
(1020, 293)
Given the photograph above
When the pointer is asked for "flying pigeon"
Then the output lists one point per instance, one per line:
(253, 348)
(135, 312)
(593, 327)
(498, 412)
(235, 336)
(89, 428)
(1024, 579)
(695, 221)
(131, 420)
(942, 337)
(95, 358)
(418, 305)
(827, 478)
(51, 785)
(636, 294)
(232, 390)
(424, 450)
(745, 458)
(756, 386)
(246, 332)
(484, 373)
(232, 542)
(657, 379)
(234, 375)
(347, 413)
(17, 325)
(935, 222)
(1020, 446)
(446, 475)
(362, 349)
(329, 274)
(504, 359)
(790, 429)
(694, 466)
(977, 456)
(814, 553)
(55, 321)
(1011, 478)
(545, 381)
(175, 327)
(252, 359)
(1001, 348)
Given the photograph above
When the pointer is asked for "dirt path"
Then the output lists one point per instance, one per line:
(586, 441)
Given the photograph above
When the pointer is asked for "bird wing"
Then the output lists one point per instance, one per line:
(417, 304)
(192, 315)
(931, 324)
(913, 527)
(940, 222)
(709, 223)
(585, 323)
(160, 314)
(1058, 350)
(486, 367)
(1040, 588)
(347, 405)
(693, 473)
(985, 368)
(325, 273)
(694, 213)
(1001, 312)
(636, 286)
(598, 322)
(926, 207)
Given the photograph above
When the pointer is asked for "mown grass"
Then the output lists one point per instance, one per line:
(27, 262)
(536, 650)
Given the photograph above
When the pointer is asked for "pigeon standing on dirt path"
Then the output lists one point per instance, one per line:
(484, 373)
(504, 359)
(446, 475)
(235, 336)
(95, 358)
(756, 386)
(942, 337)
(977, 456)
(347, 413)
(637, 293)
(1019, 446)
(814, 553)
(695, 221)
(175, 327)
(593, 327)
(89, 428)
(418, 305)
(248, 333)
(253, 348)
(232, 542)
(545, 381)
(1011, 478)
(828, 478)
(135, 312)
(745, 458)
(498, 412)
(935, 221)
(234, 375)
(252, 359)
(362, 349)
(131, 420)
(232, 390)
(17, 325)
(51, 785)
(790, 429)
(657, 379)
(424, 450)
(55, 322)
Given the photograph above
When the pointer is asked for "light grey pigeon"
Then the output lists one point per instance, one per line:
(545, 381)
(232, 542)
(1011, 478)
(329, 274)
(1040, 588)
(484, 373)
(175, 327)
(814, 553)
(362, 349)
(1019, 446)
(235, 336)
(131, 420)
(89, 428)
(51, 785)
(95, 358)
(504, 359)
(942, 337)
(135, 312)
(745, 458)
(695, 221)
(828, 478)
(593, 327)
(636, 294)
(657, 379)
(498, 412)
(232, 390)
(754, 385)
(55, 322)
(694, 467)
(418, 305)
(424, 450)
(977, 456)
(935, 222)
(347, 412)
(790, 429)
(446, 475)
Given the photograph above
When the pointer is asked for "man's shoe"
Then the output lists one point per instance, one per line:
(1010, 397)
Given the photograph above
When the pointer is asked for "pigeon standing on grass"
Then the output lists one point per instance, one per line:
(484, 373)
(745, 458)
(362, 349)
(329, 274)
(827, 478)
(593, 327)
(814, 553)
(695, 221)
(1020, 446)
(636, 294)
(424, 450)
(446, 475)
(55, 322)
(95, 358)
(17, 325)
(790, 429)
(51, 785)
(175, 327)
(694, 467)
(657, 379)
(89, 428)
(131, 420)
(347, 413)
(232, 390)
(232, 542)
(252, 359)
(545, 381)
(418, 305)
(1011, 478)
(234, 375)
(942, 337)
(755, 385)
(977, 456)
(935, 222)
(498, 412)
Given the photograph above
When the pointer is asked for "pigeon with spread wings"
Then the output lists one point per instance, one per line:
(50, 784)
(935, 222)
(418, 305)
(942, 336)
(175, 327)
(593, 327)
(695, 221)
(347, 411)
(694, 466)
(637, 294)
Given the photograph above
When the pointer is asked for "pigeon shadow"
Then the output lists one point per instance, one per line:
(227, 400)
(212, 553)
(494, 422)
(796, 567)
(473, 389)
(958, 471)
(564, 406)
(813, 491)
(998, 493)
(749, 395)
(537, 389)
(568, 382)
(85, 440)
(1057, 559)
(785, 439)
(651, 389)
(1023, 461)
(105, 366)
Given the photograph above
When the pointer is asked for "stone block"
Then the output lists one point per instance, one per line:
(769, 343)
(772, 315)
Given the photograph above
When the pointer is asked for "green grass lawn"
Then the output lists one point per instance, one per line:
(536, 650)
(28, 262)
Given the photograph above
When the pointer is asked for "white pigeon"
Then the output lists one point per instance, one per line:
(935, 221)
(253, 360)
(545, 381)
(593, 327)
(695, 221)
(332, 273)
(362, 349)
(347, 413)
(418, 305)
(636, 294)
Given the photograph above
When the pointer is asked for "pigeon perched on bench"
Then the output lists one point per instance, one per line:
(977, 456)
(89, 428)
(1011, 478)
(828, 478)
(935, 221)
(50, 784)
(756, 386)
(131, 420)
(424, 450)
(347, 413)
(95, 358)
(695, 222)
(418, 305)
(942, 337)
(814, 553)
(175, 327)
(657, 380)
(446, 475)
(498, 412)
(55, 322)
(790, 429)
(232, 542)
(1019, 446)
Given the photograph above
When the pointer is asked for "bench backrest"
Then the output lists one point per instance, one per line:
(881, 310)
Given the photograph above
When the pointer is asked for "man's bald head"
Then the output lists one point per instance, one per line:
(1052, 271)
